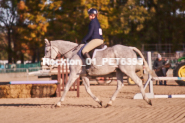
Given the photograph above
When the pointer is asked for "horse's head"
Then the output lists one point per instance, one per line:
(50, 51)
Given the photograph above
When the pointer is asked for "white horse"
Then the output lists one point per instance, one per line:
(70, 50)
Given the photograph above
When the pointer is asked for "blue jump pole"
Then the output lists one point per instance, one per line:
(34, 82)
(29, 82)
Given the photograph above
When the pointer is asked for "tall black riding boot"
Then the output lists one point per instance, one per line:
(86, 55)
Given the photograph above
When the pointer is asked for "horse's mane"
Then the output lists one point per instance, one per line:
(57, 42)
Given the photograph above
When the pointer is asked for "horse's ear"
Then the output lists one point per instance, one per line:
(47, 42)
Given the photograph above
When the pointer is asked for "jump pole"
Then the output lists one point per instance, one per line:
(150, 82)
(29, 82)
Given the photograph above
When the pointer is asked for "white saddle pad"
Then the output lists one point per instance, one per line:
(96, 50)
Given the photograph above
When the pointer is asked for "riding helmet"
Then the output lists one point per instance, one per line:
(92, 11)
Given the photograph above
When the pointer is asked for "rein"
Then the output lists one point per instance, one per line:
(69, 50)
(63, 53)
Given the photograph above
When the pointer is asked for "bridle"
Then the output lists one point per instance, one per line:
(61, 55)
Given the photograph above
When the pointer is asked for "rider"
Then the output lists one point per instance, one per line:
(94, 37)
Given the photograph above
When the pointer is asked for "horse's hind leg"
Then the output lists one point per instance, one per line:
(87, 87)
(119, 76)
(138, 81)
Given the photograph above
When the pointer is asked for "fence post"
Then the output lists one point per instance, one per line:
(59, 81)
(78, 87)
(65, 78)
(150, 66)
(27, 71)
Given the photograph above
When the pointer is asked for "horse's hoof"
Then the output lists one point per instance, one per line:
(150, 102)
(108, 105)
(100, 103)
(58, 104)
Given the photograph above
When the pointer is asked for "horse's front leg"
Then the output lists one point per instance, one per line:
(87, 87)
(72, 77)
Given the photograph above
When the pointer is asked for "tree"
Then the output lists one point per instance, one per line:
(8, 19)
(33, 26)
(167, 24)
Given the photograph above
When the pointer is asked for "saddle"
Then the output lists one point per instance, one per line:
(102, 46)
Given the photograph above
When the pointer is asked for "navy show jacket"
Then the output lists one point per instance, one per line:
(95, 31)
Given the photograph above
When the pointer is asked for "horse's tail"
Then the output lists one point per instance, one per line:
(141, 55)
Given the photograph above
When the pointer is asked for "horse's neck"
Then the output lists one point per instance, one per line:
(64, 47)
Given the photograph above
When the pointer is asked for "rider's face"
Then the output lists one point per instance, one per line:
(92, 16)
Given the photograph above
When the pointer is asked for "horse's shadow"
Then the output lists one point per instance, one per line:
(80, 105)
(24, 105)
(48, 105)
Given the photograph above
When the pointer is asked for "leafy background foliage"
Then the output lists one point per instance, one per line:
(25, 23)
